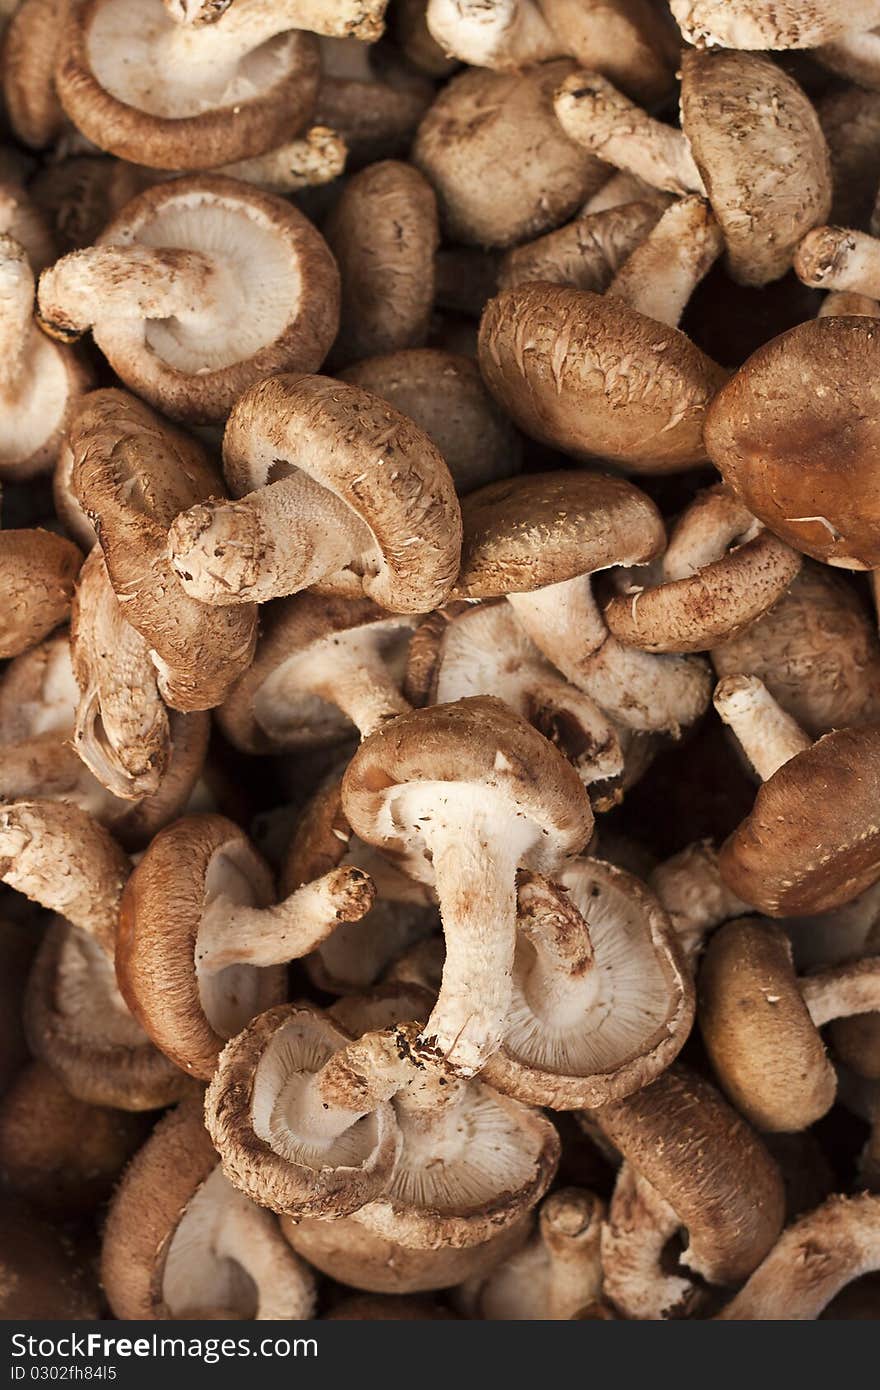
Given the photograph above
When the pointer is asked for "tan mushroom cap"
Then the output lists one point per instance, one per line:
(277, 1167)
(444, 394)
(706, 1162)
(826, 798)
(40, 1275)
(383, 232)
(764, 1047)
(524, 533)
(133, 473)
(594, 378)
(30, 48)
(785, 24)
(159, 920)
(501, 166)
(145, 89)
(741, 112)
(794, 435)
(39, 572)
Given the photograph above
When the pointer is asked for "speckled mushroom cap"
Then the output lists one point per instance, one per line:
(444, 393)
(283, 316)
(168, 96)
(711, 1168)
(794, 433)
(760, 150)
(345, 439)
(501, 166)
(189, 1013)
(275, 1165)
(785, 24)
(38, 572)
(596, 379)
(40, 1275)
(268, 710)
(133, 473)
(521, 534)
(827, 798)
(181, 1242)
(78, 1023)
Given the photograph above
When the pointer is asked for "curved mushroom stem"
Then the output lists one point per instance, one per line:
(561, 979)
(249, 24)
(137, 282)
(570, 1223)
(507, 33)
(691, 889)
(836, 258)
(640, 1225)
(593, 113)
(715, 521)
(250, 1236)
(349, 670)
(840, 303)
(663, 271)
(317, 157)
(811, 1262)
(232, 934)
(769, 737)
(839, 991)
(283, 538)
(16, 311)
(587, 252)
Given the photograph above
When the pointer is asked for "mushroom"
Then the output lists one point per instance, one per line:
(760, 1022)
(316, 158)
(824, 793)
(811, 1262)
(661, 273)
(501, 167)
(720, 572)
(586, 253)
(694, 895)
(465, 794)
(323, 665)
(334, 485)
(548, 355)
(785, 24)
(133, 472)
(181, 1243)
(383, 232)
(40, 1274)
(738, 110)
(793, 434)
(538, 539)
(690, 1163)
(199, 949)
(556, 1274)
(39, 571)
(195, 290)
(418, 45)
(838, 258)
(444, 394)
(30, 49)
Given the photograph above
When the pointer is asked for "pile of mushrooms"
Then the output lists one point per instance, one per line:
(440, 685)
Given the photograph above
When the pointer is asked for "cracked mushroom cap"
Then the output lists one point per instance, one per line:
(174, 96)
(133, 473)
(708, 1165)
(40, 1274)
(181, 1243)
(78, 1023)
(188, 1011)
(38, 572)
(794, 433)
(826, 798)
(276, 705)
(596, 379)
(500, 164)
(444, 394)
(524, 533)
(271, 306)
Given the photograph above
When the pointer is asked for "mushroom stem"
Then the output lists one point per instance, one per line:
(250, 24)
(571, 1228)
(250, 1236)
(232, 934)
(138, 282)
(714, 522)
(507, 33)
(562, 971)
(317, 157)
(769, 737)
(691, 889)
(593, 113)
(349, 672)
(279, 540)
(842, 303)
(640, 1226)
(836, 258)
(16, 311)
(663, 271)
(839, 991)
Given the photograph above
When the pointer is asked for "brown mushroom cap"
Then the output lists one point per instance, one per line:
(765, 1049)
(501, 166)
(40, 1276)
(708, 1165)
(30, 48)
(39, 572)
(383, 233)
(187, 1015)
(521, 534)
(594, 378)
(794, 435)
(133, 473)
(444, 394)
(826, 798)
(135, 84)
